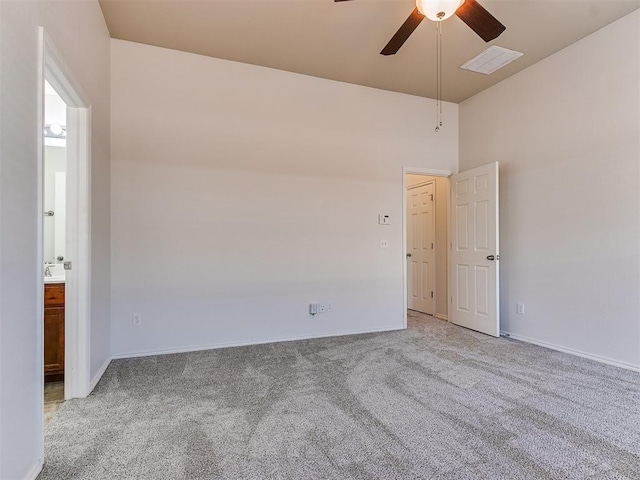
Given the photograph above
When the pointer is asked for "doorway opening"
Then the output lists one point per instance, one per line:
(426, 235)
(471, 246)
(54, 245)
(64, 118)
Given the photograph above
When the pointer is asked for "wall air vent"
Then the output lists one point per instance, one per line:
(492, 59)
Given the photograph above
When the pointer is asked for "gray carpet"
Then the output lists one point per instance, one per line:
(433, 402)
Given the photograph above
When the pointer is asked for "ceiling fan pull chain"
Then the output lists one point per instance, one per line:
(439, 77)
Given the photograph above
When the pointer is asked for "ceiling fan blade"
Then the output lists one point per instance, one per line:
(479, 20)
(403, 33)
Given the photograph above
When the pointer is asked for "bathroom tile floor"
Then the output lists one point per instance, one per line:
(53, 399)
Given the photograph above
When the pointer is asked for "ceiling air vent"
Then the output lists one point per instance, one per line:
(492, 59)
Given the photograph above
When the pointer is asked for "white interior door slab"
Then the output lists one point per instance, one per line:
(420, 249)
(473, 274)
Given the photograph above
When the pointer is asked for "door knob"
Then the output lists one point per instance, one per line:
(408, 255)
(493, 257)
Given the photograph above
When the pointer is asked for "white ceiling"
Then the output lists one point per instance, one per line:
(342, 41)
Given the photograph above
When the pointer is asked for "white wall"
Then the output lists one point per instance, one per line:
(441, 200)
(566, 134)
(240, 194)
(78, 31)
(55, 161)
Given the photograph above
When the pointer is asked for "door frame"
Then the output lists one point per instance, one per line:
(433, 228)
(416, 171)
(53, 68)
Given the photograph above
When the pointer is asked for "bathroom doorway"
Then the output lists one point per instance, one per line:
(64, 236)
(54, 248)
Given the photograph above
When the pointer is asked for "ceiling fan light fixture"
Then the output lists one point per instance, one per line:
(438, 10)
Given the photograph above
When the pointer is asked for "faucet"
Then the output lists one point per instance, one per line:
(47, 272)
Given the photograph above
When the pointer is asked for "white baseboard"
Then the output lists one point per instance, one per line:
(442, 317)
(571, 351)
(35, 470)
(96, 378)
(167, 351)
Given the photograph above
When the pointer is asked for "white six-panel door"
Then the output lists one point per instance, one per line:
(420, 248)
(473, 265)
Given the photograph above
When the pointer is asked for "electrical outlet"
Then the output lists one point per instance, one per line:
(520, 308)
(321, 307)
(136, 319)
(384, 243)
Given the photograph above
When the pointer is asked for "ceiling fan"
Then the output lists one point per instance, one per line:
(469, 11)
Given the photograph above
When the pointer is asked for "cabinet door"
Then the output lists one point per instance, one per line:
(53, 340)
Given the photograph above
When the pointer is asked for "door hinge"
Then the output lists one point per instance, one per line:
(432, 197)
(431, 245)
(431, 294)
(451, 299)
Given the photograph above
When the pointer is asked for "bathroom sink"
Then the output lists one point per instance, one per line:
(57, 273)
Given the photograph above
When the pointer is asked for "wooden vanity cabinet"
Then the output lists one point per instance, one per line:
(53, 332)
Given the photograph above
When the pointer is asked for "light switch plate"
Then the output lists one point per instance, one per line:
(384, 219)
